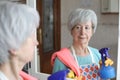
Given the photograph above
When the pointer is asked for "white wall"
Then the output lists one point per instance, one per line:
(106, 34)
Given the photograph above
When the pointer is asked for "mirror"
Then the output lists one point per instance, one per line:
(106, 34)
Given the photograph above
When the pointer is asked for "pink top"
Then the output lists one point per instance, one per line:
(25, 76)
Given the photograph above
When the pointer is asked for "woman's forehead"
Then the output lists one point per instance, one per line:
(84, 23)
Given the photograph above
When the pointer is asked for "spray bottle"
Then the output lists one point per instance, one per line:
(106, 70)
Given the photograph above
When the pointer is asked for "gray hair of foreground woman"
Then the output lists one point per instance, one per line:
(17, 23)
(82, 16)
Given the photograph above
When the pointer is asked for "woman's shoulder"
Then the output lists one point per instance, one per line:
(59, 55)
(26, 76)
(95, 51)
(3, 76)
(58, 65)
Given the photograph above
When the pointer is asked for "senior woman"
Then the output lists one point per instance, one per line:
(82, 59)
(18, 23)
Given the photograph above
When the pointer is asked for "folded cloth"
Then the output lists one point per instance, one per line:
(25, 76)
(65, 56)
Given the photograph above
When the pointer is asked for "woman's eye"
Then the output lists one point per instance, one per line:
(77, 27)
(87, 27)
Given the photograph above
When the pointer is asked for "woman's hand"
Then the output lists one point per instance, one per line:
(108, 61)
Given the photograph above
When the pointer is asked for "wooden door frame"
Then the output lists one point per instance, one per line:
(57, 33)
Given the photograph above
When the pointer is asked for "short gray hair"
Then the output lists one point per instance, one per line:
(17, 23)
(82, 15)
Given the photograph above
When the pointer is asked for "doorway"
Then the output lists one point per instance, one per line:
(48, 33)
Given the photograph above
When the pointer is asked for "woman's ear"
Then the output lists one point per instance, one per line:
(12, 52)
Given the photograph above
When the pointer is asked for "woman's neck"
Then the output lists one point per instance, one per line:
(81, 50)
(11, 70)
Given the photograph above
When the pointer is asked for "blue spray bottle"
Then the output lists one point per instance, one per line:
(106, 71)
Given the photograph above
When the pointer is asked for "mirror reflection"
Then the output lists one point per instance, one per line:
(106, 34)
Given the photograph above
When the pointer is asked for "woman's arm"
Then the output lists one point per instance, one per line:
(58, 65)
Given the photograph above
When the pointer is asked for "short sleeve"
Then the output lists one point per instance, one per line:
(58, 65)
(96, 54)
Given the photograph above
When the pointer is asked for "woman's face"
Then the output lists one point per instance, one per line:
(26, 51)
(82, 33)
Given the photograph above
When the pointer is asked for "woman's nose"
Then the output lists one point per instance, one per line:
(37, 43)
(82, 30)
